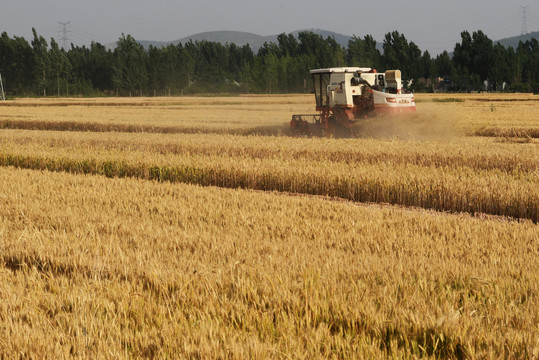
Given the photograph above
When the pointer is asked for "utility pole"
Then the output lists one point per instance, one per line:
(524, 29)
(2, 95)
(64, 38)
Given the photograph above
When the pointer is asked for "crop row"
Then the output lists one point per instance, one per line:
(508, 132)
(201, 129)
(130, 128)
(475, 153)
(430, 188)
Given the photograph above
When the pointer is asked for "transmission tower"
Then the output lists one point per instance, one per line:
(65, 32)
(524, 29)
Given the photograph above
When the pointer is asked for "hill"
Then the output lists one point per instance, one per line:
(241, 38)
(513, 41)
(231, 37)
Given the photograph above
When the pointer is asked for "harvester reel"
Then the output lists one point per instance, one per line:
(300, 126)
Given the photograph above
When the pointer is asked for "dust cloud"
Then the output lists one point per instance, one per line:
(424, 125)
(417, 126)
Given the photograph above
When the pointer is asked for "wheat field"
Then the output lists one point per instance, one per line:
(198, 227)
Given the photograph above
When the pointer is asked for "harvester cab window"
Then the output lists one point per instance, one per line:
(321, 82)
(381, 81)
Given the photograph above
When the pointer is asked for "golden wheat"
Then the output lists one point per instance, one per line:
(128, 268)
(188, 112)
(480, 114)
(446, 187)
(488, 114)
(476, 153)
(99, 267)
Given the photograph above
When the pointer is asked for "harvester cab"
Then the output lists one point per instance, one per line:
(347, 95)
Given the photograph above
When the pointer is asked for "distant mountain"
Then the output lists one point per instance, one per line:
(257, 41)
(242, 38)
(231, 37)
(513, 41)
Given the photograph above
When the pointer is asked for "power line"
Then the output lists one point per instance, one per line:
(88, 35)
(47, 32)
(506, 28)
(530, 19)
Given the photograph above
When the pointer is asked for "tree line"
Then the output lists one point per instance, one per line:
(42, 68)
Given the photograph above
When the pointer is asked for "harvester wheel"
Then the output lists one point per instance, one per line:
(293, 124)
(330, 131)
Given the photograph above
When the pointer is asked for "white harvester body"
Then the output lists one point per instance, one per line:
(347, 84)
(345, 95)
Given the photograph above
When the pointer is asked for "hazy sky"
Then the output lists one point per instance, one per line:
(434, 25)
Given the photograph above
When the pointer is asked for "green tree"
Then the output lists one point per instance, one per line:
(60, 66)
(474, 57)
(42, 61)
(288, 45)
(17, 64)
(483, 55)
(443, 65)
(101, 67)
(323, 52)
(426, 66)
(271, 64)
(82, 79)
(362, 52)
(211, 64)
(502, 69)
(527, 55)
(403, 55)
(130, 73)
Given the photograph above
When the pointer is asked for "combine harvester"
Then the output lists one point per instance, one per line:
(346, 95)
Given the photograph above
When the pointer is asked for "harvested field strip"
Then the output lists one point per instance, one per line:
(134, 269)
(99, 127)
(129, 128)
(430, 188)
(164, 102)
(277, 130)
(448, 100)
(77, 103)
(207, 128)
(477, 153)
(532, 98)
(507, 132)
